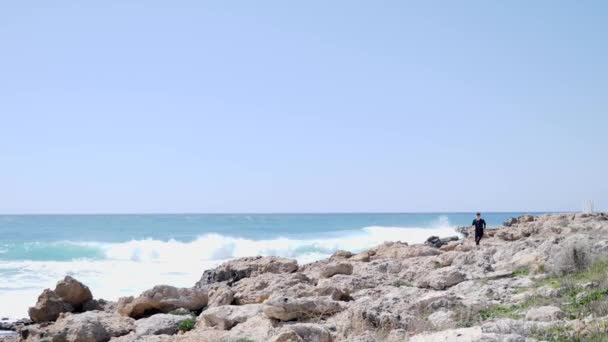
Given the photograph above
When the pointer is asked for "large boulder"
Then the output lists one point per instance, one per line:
(334, 268)
(48, 307)
(159, 324)
(227, 316)
(69, 295)
(91, 326)
(287, 309)
(73, 292)
(237, 269)
(163, 299)
(441, 279)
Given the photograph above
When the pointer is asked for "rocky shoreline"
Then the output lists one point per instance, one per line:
(535, 279)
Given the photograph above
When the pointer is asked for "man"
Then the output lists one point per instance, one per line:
(480, 225)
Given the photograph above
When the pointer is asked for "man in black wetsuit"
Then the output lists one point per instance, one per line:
(480, 225)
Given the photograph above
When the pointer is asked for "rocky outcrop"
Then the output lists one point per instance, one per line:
(241, 268)
(287, 309)
(227, 316)
(159, 324)
(163, 299)
(441, 279)
(258, 289)
(393, 292)
(69, 295)
(92, 326)
(333, 268)
(73, 292)
(545, 314)
(48, 307)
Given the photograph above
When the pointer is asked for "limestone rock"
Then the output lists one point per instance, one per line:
(545, 314)
(332, 269)
(90, 326)
(441, 319)
(237, 269)
(258, 289)
(340, 255)
(159, 324)
(220, 295)
(73, 292)
(440, 279)
(362, 257)
(227, 316)
(437, 242)
(48, 307)
(163, 298)
(287, 309)
(303, 332)
(519, 327)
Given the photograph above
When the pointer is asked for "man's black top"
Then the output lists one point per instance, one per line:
(480, 224)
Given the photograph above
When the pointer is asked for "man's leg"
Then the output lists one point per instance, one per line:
(478, 236)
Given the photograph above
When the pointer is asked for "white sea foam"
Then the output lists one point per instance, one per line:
(134, 266)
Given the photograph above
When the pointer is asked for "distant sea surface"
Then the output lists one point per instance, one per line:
(121, 255)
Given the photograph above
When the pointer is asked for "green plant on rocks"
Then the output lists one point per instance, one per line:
(186, 325)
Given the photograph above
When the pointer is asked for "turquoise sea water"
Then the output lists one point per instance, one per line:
(120, 255)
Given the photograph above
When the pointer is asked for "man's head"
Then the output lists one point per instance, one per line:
(478, 215)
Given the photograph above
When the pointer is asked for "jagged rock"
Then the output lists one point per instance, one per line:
(435, 241)
(237, 269)
(220, 295)
(163, 298)
(363, 256)
(400, 250)
(159, 324)
(347, 283)
(332, 269)
(73, 292)
(525, 218)
(545, 314)
(227, 316)
(450, 246)
(510, 222)
(91, 326)
(99, 305)
(258, 289)
(287, 309)
(341, 254)
(304, 332)
(48, 307)
(440, 279)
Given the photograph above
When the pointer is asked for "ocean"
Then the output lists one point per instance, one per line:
(122, 255)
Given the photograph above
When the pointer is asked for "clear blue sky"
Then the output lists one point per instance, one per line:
(285, 106)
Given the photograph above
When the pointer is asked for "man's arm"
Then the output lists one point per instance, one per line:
(484, 224)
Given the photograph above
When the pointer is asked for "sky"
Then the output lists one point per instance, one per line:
(302, 106)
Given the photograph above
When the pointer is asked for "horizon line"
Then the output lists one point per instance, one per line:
(293, 213)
